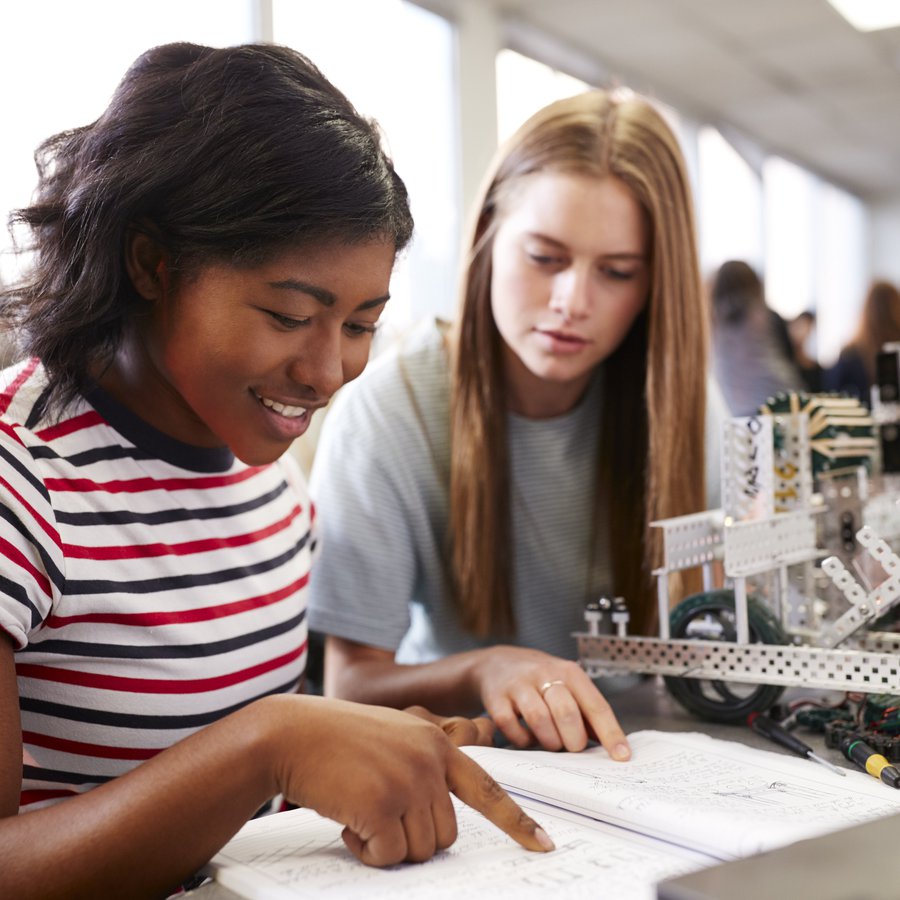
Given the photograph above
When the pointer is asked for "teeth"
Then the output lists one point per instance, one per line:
(289, 412)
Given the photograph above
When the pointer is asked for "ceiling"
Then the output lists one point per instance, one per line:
(790, 75)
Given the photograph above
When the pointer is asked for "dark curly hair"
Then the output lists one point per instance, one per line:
(223, 155)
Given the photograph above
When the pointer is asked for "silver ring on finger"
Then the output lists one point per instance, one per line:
(547, 685)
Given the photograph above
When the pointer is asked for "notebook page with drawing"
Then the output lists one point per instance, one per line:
(299, 854)
(719, 797)
(684, 802)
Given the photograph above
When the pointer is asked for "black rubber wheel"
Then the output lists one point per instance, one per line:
(710, 615)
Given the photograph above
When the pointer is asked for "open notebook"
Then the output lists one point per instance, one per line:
(683, 802)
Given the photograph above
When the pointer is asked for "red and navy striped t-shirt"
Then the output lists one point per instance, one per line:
(150, 587)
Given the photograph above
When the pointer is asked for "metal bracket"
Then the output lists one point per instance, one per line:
(804, 666)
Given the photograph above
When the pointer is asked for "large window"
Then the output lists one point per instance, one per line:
(840, 280)
(729, 204)
(405, 80)
(816, 237)
(790, 245)
(524, 85)
(60, 62)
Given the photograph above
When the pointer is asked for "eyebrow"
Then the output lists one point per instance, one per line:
(627, 254)
(323, 295)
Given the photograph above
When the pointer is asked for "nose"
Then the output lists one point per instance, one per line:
(319, 366)
(571, 295)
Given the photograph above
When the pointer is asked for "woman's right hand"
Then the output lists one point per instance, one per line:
(386, 776)
(532, 696)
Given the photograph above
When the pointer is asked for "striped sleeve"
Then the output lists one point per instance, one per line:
(151, 587)
(32, 564)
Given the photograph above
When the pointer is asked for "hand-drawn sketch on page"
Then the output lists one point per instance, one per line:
(300, 854)
(719, 797)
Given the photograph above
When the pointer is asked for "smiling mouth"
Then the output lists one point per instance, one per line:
(289, 412)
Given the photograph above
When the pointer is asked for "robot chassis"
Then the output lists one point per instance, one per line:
(811, 504)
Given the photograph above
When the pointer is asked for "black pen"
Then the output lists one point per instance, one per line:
(774, 732)
(858, 751)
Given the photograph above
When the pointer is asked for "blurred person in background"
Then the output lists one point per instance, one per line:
(752, 353)
(801, 330)
(879, 324)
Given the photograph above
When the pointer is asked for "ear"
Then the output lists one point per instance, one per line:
(144, 261)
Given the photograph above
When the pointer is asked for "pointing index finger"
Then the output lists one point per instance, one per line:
(476, 788)
(602, 721)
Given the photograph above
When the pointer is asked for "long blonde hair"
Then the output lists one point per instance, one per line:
(655, 382)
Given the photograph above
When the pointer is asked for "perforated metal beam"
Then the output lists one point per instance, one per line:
(802, 666)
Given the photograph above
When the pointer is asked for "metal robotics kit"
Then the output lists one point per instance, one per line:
(805, 544)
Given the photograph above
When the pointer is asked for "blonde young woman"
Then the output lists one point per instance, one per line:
(481, 483)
